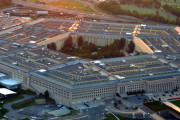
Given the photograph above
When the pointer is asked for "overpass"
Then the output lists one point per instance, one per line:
(174, 110)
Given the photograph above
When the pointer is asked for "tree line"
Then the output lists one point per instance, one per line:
(172, 9)
(143, 3)
(113, 8)
(4, 3)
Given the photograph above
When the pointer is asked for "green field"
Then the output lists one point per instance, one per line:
(72, 5)
(66, 4)
(149, 11)
(25, 103)
(33, 0)
(3, 111)
(87, 9)
(170, 2)
(177, 103)
(99, 9)
(8, 100)
(155, 106)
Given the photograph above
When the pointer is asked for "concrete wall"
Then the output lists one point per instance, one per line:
(98, 40)
(59, 40)
(141, 46)
(36, 21)
(13, 72)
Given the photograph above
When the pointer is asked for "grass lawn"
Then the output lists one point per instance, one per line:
(25, 103)
(11, 99)
(25, 119)
(155, 106)
(33, 0)
(170, 2)
(99, 9)
(8, 100)
(68, 4)
(87, 9)
(148, 11)
(177, 103)
(3, 111)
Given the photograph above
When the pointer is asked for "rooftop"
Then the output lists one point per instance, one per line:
(5, 91)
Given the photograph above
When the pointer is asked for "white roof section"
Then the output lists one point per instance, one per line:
(143, 25)
(97, 62)
(42, 70)
(33, 42)
(10, 82)
(5, 91)
(158, 51)
(119, 77)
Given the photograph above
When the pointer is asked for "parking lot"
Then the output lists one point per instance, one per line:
(89, 104)
(38, 111)
(165, 96)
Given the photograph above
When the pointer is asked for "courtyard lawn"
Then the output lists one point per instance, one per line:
(68, 4)
(155, 106)
(148, 11)
(177, 103)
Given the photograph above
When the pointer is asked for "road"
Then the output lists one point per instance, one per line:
(14, 113)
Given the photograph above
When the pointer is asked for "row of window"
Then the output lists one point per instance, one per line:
(51, 87)
(161, 86)
(81, 96)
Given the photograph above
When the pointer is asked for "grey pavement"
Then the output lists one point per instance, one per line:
(14, 113)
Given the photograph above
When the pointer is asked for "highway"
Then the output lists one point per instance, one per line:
(74, 12)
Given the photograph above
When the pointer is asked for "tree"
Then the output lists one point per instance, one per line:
(46, 94)
(52, 46)
(68, 42)
(121, 43)
(131, 47)
(92, 47)
(80, 41)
